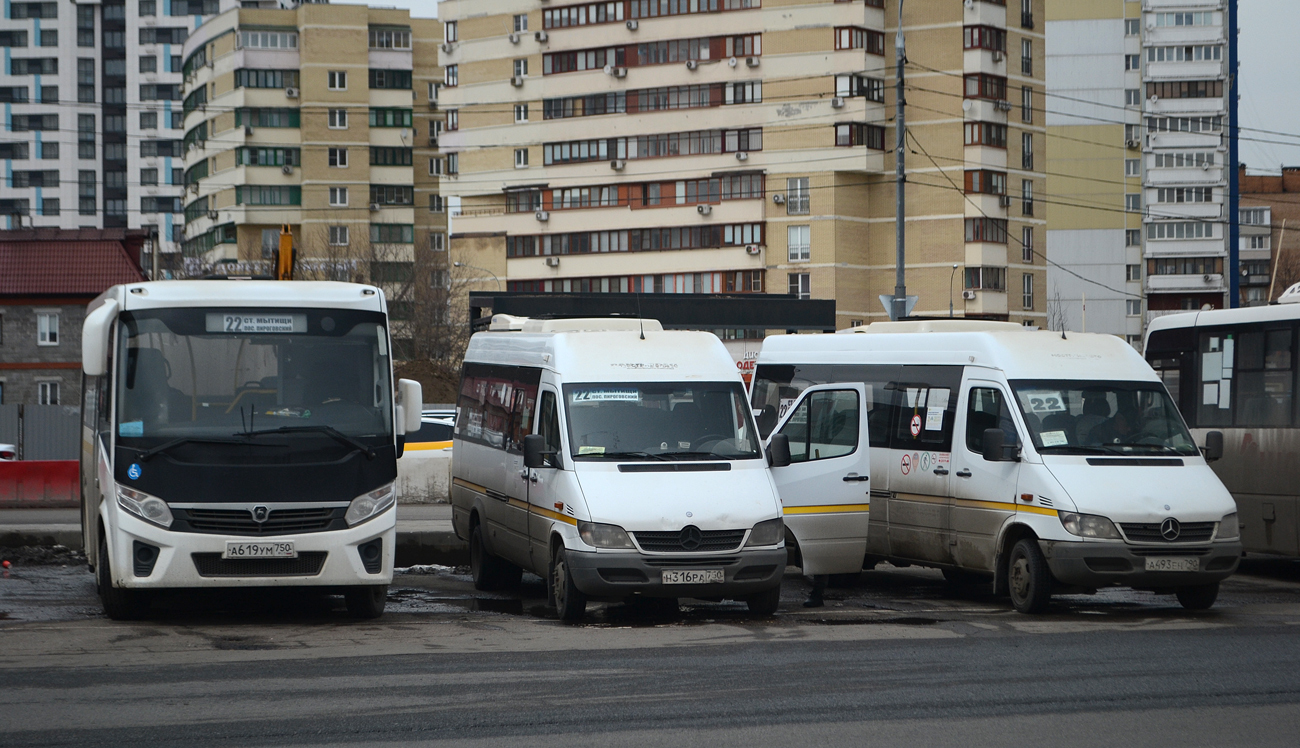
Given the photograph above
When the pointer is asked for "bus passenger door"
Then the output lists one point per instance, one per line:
(825, 490)
(546, 499)
(920, 504)
(985, 492)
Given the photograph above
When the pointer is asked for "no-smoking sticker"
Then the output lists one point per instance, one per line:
(907, 464)
(916, 425)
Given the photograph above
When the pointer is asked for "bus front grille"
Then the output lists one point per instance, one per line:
(307, 564)
(700, 541)
(241, 522)
(1149, 532)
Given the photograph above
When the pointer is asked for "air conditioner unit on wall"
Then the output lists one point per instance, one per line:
(997, 55)
(742, 156)
(212, 215)
(752, 249)
(374, 206)
(291, 92)
(968, 295)
(778, 198)
(692, 64)
(286, 169)
(514, 38)
(1134, 143)
(752, 61)
(1004, 106)
(837, 102)
(540, 36)
(552, 262)
(1004, 201)
(517, 81)
(617, 164)
(542, 216)
(620, 72)
(446, 47)
(704, 210)
(632, 25)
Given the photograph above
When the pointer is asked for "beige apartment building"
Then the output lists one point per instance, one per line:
(321, 117)
(746, 146)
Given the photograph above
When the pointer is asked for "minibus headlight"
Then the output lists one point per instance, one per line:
(370, 505)
(146, 507)
(1228, 528)
(767, 532)
(599, 535)
(1089, 526)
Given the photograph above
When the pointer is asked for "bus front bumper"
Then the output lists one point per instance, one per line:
(186, 559)
(622, 575)
(1091, 564)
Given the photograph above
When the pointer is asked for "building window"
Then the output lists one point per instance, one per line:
(1027, 244)
(453, 163)
(1027, 196)
(47, 328)
(1027, 291)
(986, 230)
(521, 112)
(49, 206)
(1132, 62)
(1132, 272)
(1133, 203)
(984, 37)
(871, 89)
(796, 196)
(521, 22)
(339, 197)
(1132, 26)
(1255, 216)
(148, 64)
(264, 39)
(986, 133)
(983, 181)
(47, 393)
(1132, 97)
(1026, 104)
(984, 86)
(800, 285)
(148, 177)
(1180, 230)
(852, 37)
(521, 158)
(856, 133)
(451, 31)
(436, 204)
(521, 67)
(1026, 57)
(1132, 167)
(391, 38)
(338, 119)
(435, 167)
(338, 157)
(1185, 195)
(1026, 150)
(453, 119)
(437, 241)
(148, 120)
(338, 236)
(1133, 307)
(798, 240)
(338, 80)
(1203, 89)
(986, 278)
(451, 76)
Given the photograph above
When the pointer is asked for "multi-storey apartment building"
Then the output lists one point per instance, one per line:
(1140, 125)
(319, 118)
(91, 92)
(1270, 259)
(742, 146)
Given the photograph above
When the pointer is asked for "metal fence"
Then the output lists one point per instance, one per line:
(42, 432)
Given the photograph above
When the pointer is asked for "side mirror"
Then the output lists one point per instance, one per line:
(94, 339)
(994, 441)
(535, 452)
(410, 400)
(778, 451)
(1213, 448)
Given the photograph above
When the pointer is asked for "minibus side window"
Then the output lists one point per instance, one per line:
(1264, 378)
(484, 406)
(1215, 380)
(548, 425)
(925, 403)
(824, 425)
(986, 408)
(523, 405)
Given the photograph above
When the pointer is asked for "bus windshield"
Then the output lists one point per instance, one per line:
(210, 376)
(660, 421)
(1091, 417)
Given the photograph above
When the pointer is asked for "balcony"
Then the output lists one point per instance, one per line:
(1208, 283)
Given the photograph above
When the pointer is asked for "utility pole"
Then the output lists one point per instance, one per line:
(155, 261)
(899, 308)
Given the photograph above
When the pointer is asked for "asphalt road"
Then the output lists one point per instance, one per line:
(898, 659)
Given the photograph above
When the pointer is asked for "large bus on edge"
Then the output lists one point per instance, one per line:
(240, 433)
(1234, 371)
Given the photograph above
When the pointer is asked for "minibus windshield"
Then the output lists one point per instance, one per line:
(1094, 417)
(265, 379)
(660, 421)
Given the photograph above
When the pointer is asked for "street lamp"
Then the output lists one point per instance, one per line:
(500, 287)
(950, 277)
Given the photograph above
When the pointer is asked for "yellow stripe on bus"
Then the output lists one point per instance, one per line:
(828, 509)
(420, 446)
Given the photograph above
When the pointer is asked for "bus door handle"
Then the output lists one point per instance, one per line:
(963, 473)
(941, 470)
(528, 474)
(852, 477)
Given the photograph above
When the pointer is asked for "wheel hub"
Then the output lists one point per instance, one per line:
(1020, 577)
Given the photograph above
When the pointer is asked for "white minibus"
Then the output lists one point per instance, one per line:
(241, 433)
(615, 460)
(1050, 462)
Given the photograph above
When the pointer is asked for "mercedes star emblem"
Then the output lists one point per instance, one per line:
(691, 537)
(1169, 529)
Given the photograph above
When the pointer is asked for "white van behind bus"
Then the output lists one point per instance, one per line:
(615, 460)
(1050, 462)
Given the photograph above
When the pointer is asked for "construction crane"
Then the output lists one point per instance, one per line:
(284, 255)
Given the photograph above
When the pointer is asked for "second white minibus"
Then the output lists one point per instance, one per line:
(1051, 462)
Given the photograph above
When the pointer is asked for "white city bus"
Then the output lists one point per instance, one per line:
(1233, 371)
(240, 433)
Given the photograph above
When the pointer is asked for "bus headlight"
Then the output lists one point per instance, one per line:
(370, 505)
(146, 507)
(1228, 528)
(767, 532)
(1089, 526)
(598, 535)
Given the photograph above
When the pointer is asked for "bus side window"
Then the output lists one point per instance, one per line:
(548, 425)
(986, 408)
(925, 402)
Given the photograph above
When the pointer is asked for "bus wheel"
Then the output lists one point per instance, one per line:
(1028, 577)
(765, 603)
(366, 602)
(490, 572)
(119, 604)
(570, 602)
(1200, 597)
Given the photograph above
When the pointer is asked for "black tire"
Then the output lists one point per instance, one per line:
(119, 604)
(365, 603)
(1200, 597)
(570, 602)
(1028, 579)
(765, 603)
(490, 572)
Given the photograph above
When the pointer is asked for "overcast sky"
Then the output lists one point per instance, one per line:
(1270, 77)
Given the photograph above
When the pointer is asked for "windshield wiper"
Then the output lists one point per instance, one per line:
(1078, 448)
(688, 453)
(1161, 447)
(628, 454)
(329, 431)
(151, 453)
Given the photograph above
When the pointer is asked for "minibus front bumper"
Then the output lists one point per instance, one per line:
(1104, 564)
(622, 575)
